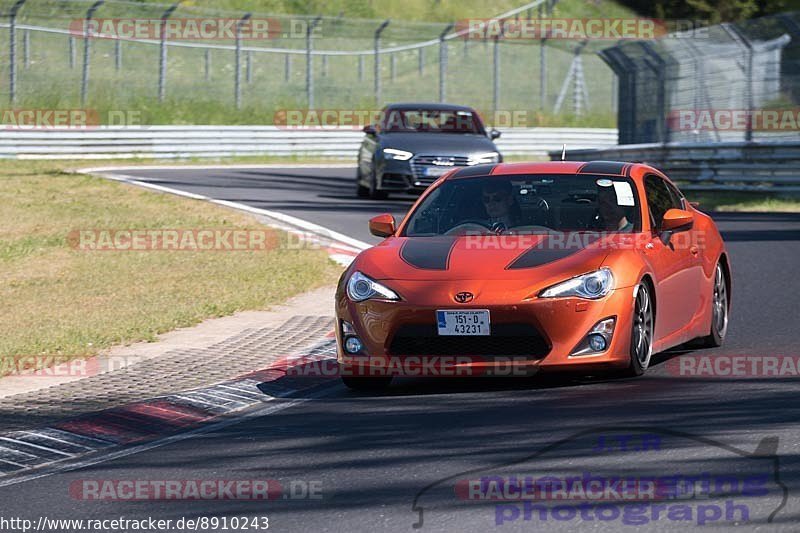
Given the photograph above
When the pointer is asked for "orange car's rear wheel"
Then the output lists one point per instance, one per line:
(719, 310)
(642, 332)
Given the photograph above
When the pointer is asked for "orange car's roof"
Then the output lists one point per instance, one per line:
(604, 168)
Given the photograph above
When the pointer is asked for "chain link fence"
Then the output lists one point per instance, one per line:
(51, 58)
(730, 82)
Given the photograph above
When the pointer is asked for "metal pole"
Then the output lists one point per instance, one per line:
(118, 54)
(249, 66)
(162, 63)
(26, 48)
(324, 66)
(737, 35)
(496, 71)
(237, 76)
(542, 69)
(421, 61)
(287, 67)
(72, 52)
(393, 65)
(86, 36)
(207, 64)
(443, 62)
(12, 67)
(309, 65)
(361, 68)
(378, 60)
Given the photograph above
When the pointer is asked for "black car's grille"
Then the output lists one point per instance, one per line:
(421, 162)
(505, 340)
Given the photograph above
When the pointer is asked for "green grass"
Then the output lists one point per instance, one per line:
(71, 303)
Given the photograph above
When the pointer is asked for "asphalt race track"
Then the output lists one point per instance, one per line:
(385, 460)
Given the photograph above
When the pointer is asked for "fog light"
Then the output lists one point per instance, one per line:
(597, 342)
(353, 345)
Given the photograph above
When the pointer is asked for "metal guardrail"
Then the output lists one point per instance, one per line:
(107, 142)
(726, 166)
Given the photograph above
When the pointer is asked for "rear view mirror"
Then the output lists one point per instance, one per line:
(494, 134)
(674, 221)
(382, 225)
(369, 129)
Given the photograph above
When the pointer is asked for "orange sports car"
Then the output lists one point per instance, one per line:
(518, 268)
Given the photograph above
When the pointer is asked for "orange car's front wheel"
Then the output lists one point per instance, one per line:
(642, 332)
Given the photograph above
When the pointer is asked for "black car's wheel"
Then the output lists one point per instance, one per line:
(642, 332)
(374, 192)
(367, 384)
(719, 310)
(361, 190)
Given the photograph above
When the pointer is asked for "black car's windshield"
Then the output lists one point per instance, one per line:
(527, 204)
(431, 121)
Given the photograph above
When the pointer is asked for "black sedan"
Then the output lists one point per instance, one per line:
(413, 144)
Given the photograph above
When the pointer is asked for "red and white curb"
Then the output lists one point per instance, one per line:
(132, 428)
(340, 247)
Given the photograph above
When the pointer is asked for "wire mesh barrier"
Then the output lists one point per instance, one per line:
(179, 64)
(722, 83)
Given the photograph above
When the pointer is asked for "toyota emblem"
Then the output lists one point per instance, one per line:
(464, 297)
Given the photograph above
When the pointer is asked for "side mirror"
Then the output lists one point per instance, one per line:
(494, 134)
(369, 129)
(382, 225)
(675, 220)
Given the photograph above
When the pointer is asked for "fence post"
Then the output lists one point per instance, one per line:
(378, 60)
(207, 64)
(12, 67)
(26, 48)
(86, 35)
(393, 64)
(237, 77)
(496, 70)
(421, 61)
(249, 66)
(118, 55)
(309, 64)
(361, 67)
(443, 62)
(287, 67)
(748, 73)
(656, 64)
(162, 62)
(72, 52)
(542, 69)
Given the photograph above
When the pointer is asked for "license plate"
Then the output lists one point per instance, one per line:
(437, 171)
(469, 322)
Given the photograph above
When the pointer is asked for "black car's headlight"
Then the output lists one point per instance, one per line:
(398, 155)
(481, 159)
(592, 286)
(361, 287)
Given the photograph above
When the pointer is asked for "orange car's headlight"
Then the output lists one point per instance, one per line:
(592, 286)
(361, 287)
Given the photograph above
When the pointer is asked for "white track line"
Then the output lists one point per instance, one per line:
(311, 227)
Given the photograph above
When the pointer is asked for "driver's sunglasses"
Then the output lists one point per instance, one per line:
(492, 198)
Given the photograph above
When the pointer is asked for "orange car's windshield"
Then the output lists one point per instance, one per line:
(521, 204)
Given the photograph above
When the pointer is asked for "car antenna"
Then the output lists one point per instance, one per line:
(564, 152)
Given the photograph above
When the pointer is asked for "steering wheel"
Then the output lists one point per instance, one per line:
(470, 222)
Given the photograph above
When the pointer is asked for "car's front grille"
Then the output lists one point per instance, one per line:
(505, 340)
(420, 163)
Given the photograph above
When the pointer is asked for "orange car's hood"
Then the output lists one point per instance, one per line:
(502, 257)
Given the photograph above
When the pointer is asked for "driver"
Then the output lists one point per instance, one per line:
(498, 200)
(612, 215)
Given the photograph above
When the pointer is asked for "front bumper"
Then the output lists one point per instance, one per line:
(527, 336)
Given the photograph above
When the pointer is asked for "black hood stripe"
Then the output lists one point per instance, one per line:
(609, 168)
(428, 254)
(476, 170)
(547, 252)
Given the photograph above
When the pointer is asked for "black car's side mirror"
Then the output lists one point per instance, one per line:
(369, 129)
(494, 134)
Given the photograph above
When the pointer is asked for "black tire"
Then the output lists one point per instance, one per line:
(367, 384)
(642, 330)
(361, 190)
(374, 192)
(719, 311)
